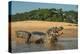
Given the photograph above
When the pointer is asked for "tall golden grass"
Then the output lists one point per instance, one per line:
(70, 30)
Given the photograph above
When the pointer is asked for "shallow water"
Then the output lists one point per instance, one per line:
(63, 44)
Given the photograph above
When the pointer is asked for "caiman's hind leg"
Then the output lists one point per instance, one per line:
(25, 35)
(27, 40)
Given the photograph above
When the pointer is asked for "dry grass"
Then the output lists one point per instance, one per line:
(70, 30)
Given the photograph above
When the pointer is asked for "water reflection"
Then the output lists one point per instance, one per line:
(56, 46)
(61, 45)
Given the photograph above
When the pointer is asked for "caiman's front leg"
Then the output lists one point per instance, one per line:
(59, 34)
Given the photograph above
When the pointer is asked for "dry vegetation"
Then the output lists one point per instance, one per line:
(70, 30)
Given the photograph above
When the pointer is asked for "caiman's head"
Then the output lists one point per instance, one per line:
(55, 31)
